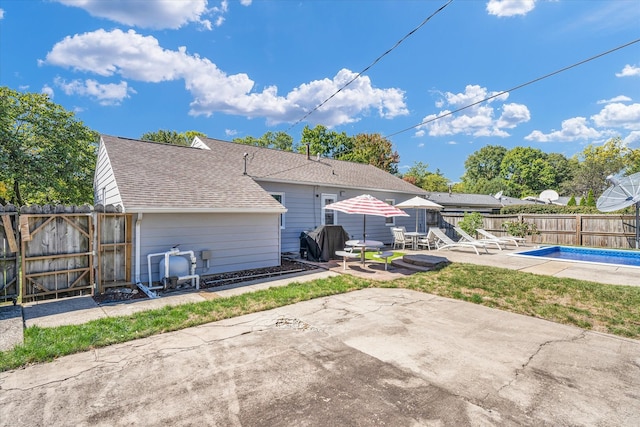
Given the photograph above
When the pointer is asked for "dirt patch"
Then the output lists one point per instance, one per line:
(287, 266)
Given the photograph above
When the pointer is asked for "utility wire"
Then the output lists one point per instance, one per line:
(369, 66)
(516, 87)
(500, 93)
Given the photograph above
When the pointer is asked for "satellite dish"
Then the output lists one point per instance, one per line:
(498, 195)
(624, 192)
(549, 195)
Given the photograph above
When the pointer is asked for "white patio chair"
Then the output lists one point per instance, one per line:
(400, 241)
(506, 239)
(443, 241)
(467, 238)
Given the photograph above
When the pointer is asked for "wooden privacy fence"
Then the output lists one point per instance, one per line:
(600, 231)
(9, 287)
(62, 253)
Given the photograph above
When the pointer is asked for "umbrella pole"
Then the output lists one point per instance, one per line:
(417, 212)
(364, 227)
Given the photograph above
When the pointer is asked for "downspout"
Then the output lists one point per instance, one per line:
(139, 283)
(138, 227)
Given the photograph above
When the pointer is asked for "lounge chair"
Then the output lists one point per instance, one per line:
(467, 238)
(506, 239)
(400, 241)
(443, 241)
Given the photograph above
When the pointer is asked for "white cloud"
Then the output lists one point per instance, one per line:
(573, 129)
(618, 115)
(48, 90)
(156, 14)
(632, 138)
(452, 142)
(629, 71)
(141, 58)
(1, 13)
(230, 132)
(503, 8)
(105, 94)
(619, 98)
(477, 120)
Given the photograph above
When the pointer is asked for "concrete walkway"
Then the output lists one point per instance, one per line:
(377, 356)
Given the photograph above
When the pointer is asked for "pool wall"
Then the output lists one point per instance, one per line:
(622, 258)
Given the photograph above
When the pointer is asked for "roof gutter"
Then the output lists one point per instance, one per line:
(418, 192)
(141, 210)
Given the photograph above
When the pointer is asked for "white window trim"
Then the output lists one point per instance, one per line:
(323, 197)
(282, 215)
(392, 223)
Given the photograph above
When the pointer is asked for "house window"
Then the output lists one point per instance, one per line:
(390, 221)
(280, 198)
(329, 217)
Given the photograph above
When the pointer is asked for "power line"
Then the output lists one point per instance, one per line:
(369, 66)
(516, 87)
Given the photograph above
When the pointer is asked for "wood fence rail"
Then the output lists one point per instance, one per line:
(61, 252)
(592, 230)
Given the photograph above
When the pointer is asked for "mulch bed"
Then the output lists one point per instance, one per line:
(288, 266)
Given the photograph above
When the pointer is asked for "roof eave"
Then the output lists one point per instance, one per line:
(141, 209)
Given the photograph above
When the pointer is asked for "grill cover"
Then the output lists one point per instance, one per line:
(322, 243)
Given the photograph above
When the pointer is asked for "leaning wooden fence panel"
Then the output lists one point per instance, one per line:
(114, 245)
(57, 255)
(9, 251)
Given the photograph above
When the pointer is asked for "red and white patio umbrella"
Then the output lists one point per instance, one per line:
(366, 205)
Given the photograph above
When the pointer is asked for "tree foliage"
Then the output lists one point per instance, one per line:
(277, 140)
(167, 137)
(374, 150)
(419, 175)
(595, 163)
(325, 142)
(47, 156)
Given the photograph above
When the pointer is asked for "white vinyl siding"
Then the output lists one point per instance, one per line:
(304, 213)
(105, 188)
(237, 241)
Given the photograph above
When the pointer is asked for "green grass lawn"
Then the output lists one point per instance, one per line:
(592, 306)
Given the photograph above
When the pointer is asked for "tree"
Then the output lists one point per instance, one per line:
(525, 170)
(278, 140)
(596, 163)
(47, 156)
(168, 137)
(591, 201)
(324, 142)
(484, 164)
(375, 150)
(572, 201)
(632, 161)
(419, 176)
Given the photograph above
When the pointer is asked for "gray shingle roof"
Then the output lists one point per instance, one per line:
(156, 176)
(265, 164)
(474, 200)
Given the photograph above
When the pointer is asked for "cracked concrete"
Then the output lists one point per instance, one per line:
(371, 357)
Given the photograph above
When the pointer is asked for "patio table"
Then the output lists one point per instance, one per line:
(363, 245)
(415, 235)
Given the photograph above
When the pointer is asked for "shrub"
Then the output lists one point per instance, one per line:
(520, 228)
(572, 201)
(471, 222)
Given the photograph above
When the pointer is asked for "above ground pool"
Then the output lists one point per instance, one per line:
(628, 258)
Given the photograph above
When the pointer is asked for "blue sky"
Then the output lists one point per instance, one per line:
(242, 68)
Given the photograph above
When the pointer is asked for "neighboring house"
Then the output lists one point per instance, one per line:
(244, 204)
(483, 203)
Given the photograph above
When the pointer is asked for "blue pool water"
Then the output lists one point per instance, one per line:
(603, 256)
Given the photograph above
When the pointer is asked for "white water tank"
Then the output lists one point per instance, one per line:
(178, 267)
